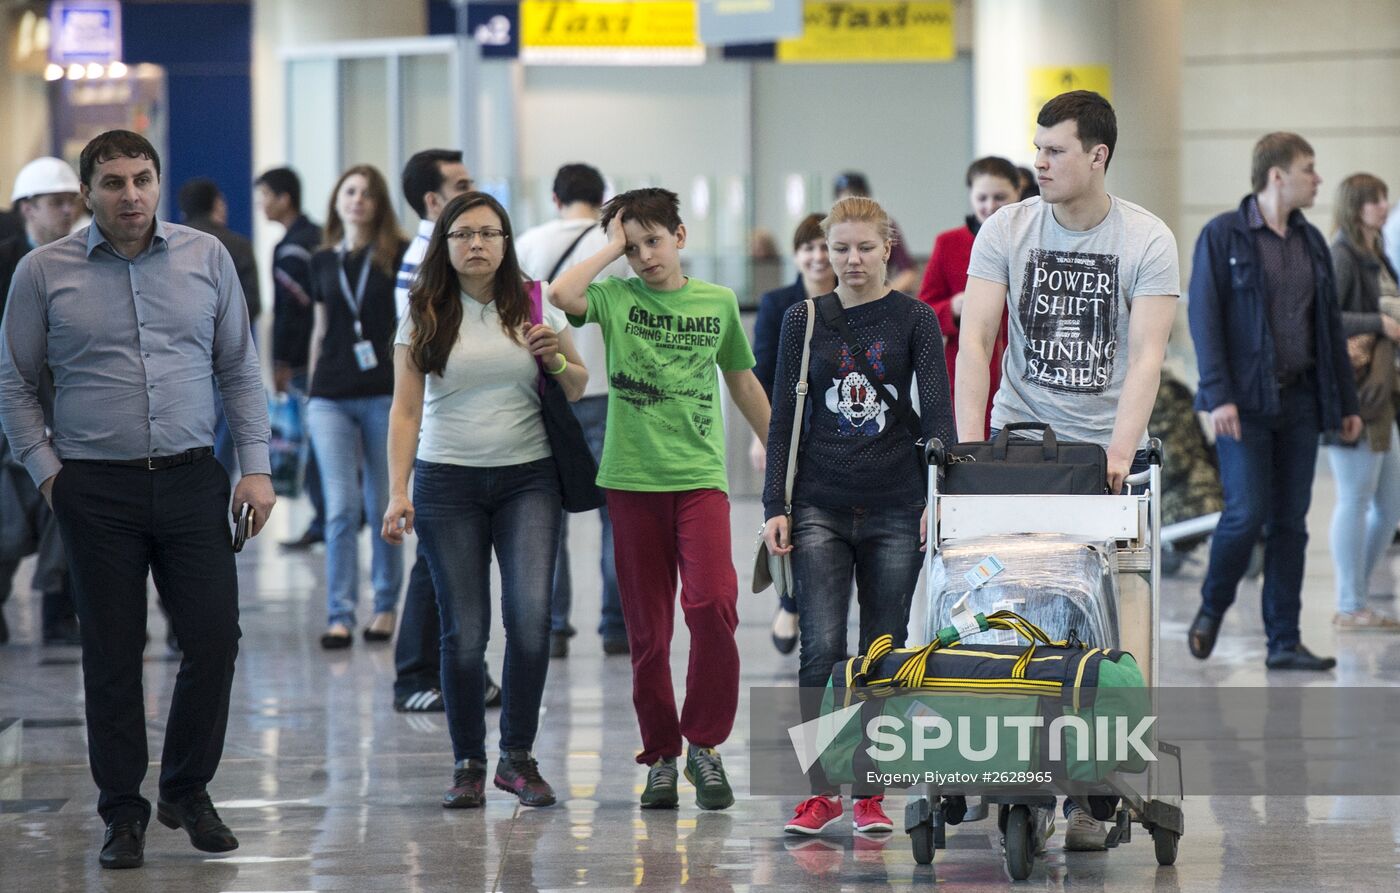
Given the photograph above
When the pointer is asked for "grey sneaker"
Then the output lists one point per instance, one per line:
(705, 770)
(660, 792)
(1084, 833)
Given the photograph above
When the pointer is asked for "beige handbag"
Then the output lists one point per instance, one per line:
(776, 570)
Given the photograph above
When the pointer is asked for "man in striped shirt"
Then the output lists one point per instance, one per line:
(431, 179)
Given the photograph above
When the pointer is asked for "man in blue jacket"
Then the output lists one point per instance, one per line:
(1274, 375)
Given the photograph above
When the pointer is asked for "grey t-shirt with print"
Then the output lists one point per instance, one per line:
(1068, 299)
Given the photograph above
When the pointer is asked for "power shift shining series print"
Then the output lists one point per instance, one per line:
(1071, 320)
(853, 399)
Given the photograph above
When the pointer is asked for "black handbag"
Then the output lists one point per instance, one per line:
(1018, 466)
(578, 473)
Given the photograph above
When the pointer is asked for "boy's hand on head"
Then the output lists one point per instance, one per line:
(617, 239)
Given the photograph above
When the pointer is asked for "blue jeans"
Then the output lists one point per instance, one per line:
(461, 513)
(592, 413)
(351, 437)
(879, 549)
(1363, 523)
(1267, 477)
(312, 474)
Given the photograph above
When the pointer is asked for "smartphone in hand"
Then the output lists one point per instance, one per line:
(241, 529)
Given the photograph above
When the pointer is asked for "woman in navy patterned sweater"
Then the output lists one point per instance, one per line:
(858, 497)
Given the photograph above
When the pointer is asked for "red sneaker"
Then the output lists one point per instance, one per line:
(814, 815)
(869, 816)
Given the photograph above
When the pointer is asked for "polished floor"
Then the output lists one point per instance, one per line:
(329, 789)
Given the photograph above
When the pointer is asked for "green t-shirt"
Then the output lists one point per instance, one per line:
(664, 428)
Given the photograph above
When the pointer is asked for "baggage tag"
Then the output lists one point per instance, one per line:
(986, 569)
(964, 620)
(1006, 636)
(365, 357)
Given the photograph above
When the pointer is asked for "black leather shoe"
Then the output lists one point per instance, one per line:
(558, 645)
(1298, 658)
(197, 816)
(1201, 638)
(124, 845)
(785, 631)
(4, 627)
(63, 632)
(303, 542)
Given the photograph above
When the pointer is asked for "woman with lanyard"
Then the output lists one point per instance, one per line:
(855, 510)
(467, 423)
(352, 386)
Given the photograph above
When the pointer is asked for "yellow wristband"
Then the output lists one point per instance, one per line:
(563, 364)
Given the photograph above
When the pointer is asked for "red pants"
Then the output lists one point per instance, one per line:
(654, 536)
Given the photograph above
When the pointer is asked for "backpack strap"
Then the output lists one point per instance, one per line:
(568, 252)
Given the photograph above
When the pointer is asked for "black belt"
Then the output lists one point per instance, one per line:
(1289, 379)
(154, 463)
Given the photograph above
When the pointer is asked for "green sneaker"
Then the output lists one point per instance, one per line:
(660, 792)
(704, 769)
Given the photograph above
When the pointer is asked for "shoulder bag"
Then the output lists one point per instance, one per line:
(770, 569)
(578, 473)
(1021, 467)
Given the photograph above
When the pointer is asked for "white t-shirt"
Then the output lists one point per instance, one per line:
(539, 248)
(1069, 295)
(484, 410)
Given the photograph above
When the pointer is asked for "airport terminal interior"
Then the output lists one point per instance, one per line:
(750, 111)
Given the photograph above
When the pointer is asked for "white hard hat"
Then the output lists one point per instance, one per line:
(43, 176)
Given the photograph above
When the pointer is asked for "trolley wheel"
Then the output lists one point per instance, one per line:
(921, 839)
(1020, 843)
(1164, 844)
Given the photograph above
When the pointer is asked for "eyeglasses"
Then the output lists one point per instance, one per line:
(467, 236)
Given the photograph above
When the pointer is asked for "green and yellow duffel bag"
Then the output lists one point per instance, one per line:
(1062, 708)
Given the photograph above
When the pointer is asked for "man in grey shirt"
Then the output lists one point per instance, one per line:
(135, 317)
(1091, 283)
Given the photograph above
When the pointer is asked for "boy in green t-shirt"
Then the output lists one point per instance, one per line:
(663, 472)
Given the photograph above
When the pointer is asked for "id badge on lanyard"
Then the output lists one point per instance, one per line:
(365, 356)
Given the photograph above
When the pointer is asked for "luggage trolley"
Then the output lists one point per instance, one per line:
(1133, 523)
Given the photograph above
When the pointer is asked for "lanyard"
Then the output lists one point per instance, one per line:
(354, 299)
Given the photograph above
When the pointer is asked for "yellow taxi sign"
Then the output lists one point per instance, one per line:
(873, 31)
(608, 24)
(1048, 81)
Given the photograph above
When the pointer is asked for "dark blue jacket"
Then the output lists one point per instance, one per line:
(1229, 314)
(768, 327)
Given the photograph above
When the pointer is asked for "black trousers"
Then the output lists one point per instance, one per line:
(119, 523)
(418, 650)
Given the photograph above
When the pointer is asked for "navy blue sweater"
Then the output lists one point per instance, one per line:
(854, 452)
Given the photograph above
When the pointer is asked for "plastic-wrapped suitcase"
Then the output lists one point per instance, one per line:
(1063, 585)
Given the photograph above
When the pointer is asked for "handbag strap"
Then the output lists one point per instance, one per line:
(537, 317)
(797, 411)
(834, 315)
(568, 252)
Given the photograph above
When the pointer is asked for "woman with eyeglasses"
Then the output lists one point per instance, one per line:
(468, 362)
(352, 384)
